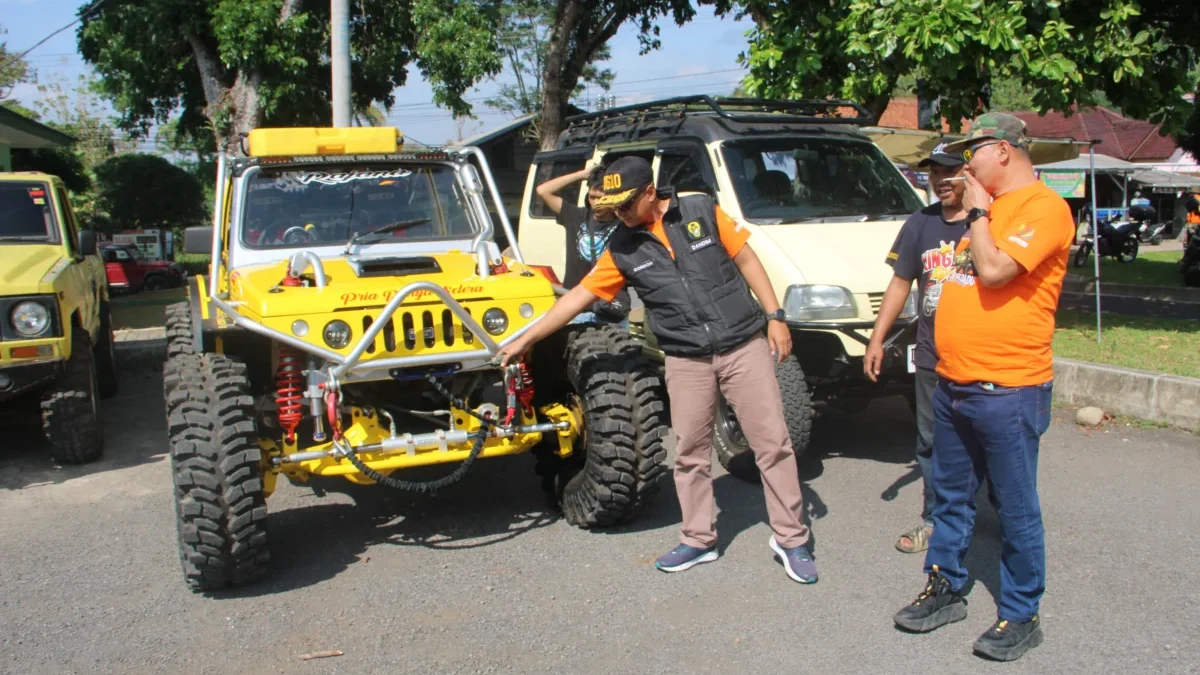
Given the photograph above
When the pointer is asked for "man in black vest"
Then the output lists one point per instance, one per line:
(689, 263)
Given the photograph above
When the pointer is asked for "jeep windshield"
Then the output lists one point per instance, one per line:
(798, 179)
(26, 213)
(328, 205)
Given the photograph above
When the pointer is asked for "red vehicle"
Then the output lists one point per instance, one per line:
(128, 271)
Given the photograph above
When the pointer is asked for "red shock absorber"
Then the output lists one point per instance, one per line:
(289, 382)
(525, 388)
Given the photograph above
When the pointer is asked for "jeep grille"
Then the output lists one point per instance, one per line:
(427, 328)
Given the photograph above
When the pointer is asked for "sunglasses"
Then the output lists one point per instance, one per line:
(968, 153)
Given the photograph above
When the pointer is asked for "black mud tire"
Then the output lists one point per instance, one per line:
(180, 336)
(732, 450)
(71, 408)
(220, 505)
(106, 354)
(619, 461)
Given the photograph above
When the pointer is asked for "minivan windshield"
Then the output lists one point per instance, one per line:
(26, 213)
(327, 205)
(797, 179)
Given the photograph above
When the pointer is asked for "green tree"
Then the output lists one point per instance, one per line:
(1065, 53)
(13, 71)
(140, 191)
(578, 39)
(224, 67)
(525, 28)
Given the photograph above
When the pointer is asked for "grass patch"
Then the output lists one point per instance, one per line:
(1151, 268)
(143, 310)
(1146, 343)
(194, 263)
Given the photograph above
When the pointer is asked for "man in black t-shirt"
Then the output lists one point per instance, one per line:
(588, 230)
(924, 251)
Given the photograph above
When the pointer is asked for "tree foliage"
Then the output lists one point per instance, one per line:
(580, 32)
(1065, 53)
(525, 28)
(140, 191)
(13, 71)
(223, 67)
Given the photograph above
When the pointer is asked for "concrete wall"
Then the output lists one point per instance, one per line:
(1141, 394)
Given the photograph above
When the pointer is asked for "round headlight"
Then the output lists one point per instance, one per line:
(337, 334)
(299, 328)
(30, 318)
(495, 321)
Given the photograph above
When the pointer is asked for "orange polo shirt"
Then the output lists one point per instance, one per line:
(605, 280)
(1002, 335)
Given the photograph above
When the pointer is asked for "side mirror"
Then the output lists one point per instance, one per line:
(87, 242)
(198, 240)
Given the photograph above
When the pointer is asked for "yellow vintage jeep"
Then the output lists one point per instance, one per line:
(56, 339)
(349, 326)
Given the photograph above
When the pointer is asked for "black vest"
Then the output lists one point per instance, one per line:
(698, 303)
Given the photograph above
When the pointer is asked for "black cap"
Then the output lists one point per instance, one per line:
(942, 157)
(623, 179)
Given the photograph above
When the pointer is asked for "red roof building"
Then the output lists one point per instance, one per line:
(1121, 137)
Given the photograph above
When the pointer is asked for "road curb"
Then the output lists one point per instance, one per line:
(1074, 283)
(140, 347)
(1142, 394)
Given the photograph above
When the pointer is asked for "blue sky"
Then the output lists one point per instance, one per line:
(700, 57)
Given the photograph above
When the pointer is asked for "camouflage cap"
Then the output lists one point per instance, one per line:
(993, 125)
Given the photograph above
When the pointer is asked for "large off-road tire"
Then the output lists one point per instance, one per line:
(220, 506)
(179, 329)
(71, 408)
(106, 354)
(618, 463)
(732, 449)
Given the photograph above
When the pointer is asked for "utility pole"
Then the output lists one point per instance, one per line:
(339, 57)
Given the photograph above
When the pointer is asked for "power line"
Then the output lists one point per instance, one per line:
(86, 13)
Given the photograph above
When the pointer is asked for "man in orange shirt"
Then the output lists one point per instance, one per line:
(992, 403)
(689, 263)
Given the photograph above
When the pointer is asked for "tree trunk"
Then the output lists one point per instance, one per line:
(554, 96)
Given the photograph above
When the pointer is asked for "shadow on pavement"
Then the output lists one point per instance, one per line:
(496, 502)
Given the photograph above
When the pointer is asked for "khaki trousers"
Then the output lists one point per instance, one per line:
(746, 376)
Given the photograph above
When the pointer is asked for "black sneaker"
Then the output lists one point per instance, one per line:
(935, 607)
(1008, 641)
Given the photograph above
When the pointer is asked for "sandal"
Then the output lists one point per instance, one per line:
(918, 538)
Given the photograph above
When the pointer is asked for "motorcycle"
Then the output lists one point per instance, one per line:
(1118, 239)
(1189, 264)
(1152, 233)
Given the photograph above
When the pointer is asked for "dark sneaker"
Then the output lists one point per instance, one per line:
(684, 557)
(935, 607)
(797, 562)
(1008, 641)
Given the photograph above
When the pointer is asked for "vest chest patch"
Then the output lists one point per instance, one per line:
(639, 268)
(703, 243)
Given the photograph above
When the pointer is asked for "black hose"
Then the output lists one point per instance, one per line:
(431, 486)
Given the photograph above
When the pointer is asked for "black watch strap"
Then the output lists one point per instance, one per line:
(778, 315)
(976, 214)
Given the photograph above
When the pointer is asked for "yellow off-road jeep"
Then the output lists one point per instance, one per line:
(56, 339)
(349, 326)
(823, 205)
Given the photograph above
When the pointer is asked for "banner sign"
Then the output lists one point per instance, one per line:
(1066, 183)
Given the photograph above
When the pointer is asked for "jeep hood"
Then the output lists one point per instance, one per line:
(24, 266)
(258, 288)
(849, 254)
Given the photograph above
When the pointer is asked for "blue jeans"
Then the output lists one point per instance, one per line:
(590, 317)
(990, 431)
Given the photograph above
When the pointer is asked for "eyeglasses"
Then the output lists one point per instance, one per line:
(968, 153)
(628, 205)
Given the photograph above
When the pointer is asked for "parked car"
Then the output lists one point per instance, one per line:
(128, 270)
(56, 339)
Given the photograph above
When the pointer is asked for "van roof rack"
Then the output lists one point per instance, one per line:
(811, 111)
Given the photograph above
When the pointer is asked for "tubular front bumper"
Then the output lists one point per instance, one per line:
(349, 367)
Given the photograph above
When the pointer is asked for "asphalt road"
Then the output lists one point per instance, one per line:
(482, 579)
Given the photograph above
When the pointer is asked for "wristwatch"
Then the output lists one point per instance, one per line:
(778, 315)
(976, 214)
